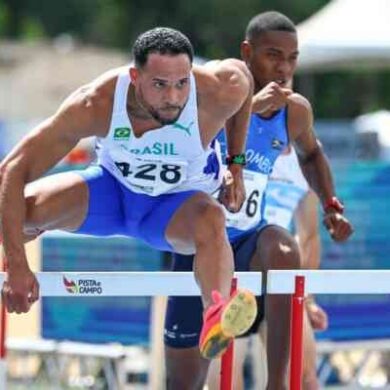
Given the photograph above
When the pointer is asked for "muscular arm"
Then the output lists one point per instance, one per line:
(39, 151)
(306, 223)
(314, 164)
(312, 159)
(225, 90)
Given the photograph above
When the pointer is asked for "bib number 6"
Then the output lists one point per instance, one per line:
(252, 204)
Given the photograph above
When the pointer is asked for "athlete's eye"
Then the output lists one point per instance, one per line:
(159, 84)
(273, 55)
(182, 83)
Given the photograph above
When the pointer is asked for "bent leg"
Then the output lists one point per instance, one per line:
(198, 226)
(55, 202)
(277, 249)
(86, 202)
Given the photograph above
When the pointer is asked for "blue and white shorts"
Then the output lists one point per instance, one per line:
(113, 209)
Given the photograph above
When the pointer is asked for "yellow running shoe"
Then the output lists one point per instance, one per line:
(224, 320)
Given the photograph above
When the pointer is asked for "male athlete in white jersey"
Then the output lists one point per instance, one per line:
(154, 124)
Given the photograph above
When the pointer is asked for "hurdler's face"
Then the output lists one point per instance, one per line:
(271, 57)
(162, 86)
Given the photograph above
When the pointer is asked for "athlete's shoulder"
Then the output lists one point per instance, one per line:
(299, 115)
(99, 91)
(92, 103)
(220, 76)
(299, 103)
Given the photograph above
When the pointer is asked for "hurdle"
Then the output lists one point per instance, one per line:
(298, 283)
(128, 284)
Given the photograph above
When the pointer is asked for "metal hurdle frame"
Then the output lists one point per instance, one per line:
(115, 284)
(298, 283)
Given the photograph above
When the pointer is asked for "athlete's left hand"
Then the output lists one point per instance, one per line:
(337, 225)
(232, 194)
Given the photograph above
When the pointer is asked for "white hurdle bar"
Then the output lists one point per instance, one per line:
(299, 283)
(330, 281)
(129, 284)
(125, 284)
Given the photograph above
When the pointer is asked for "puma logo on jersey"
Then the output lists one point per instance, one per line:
(122, 133)
(186, 129)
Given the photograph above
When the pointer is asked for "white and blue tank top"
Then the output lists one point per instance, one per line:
(165, 160)
(267, 138)
(286, 187)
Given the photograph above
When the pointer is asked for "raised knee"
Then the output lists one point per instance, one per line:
(288, 253)
(282, 249)
(34, 217)
(210, 221)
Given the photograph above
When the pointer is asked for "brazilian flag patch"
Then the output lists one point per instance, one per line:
(122, 133)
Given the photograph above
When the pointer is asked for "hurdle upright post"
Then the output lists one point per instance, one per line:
(227, 357)
(297, 306)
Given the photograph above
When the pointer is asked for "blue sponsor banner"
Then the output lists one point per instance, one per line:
(97, 320)
(364, 187)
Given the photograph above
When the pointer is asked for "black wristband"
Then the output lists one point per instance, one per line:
(239, 159)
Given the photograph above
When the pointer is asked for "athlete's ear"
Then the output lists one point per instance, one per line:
(134, 73)
(246, 51)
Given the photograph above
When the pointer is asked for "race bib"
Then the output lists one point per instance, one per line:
(250, 214)
(152, 177)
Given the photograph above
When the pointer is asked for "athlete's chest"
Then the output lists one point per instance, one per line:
(265, 142)
(177, 140)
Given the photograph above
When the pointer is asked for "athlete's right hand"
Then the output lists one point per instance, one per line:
(232, 193)
(271, 98)
(20, 290)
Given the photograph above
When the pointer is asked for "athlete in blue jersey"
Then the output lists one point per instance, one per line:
(279, 116)
(154, 123)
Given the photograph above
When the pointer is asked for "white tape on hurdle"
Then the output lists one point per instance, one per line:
(111, 284)
(330, 282)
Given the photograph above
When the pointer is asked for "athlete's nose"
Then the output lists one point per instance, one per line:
(172, 96)
(284, 69)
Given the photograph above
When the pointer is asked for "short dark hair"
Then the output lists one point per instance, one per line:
(161, 40)
(268, 21)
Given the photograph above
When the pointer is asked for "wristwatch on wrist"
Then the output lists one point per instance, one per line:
(335, 204)
(238, 159)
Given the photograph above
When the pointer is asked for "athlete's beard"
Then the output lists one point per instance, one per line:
(154, 113)
(165, 121)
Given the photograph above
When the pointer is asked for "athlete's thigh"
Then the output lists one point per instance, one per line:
(56, 202)
(86, 201)
(180, 231)
(275, 246)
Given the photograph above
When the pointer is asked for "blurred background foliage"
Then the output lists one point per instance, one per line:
(215, 27)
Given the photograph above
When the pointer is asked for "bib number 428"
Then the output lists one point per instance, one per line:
(167, 173)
